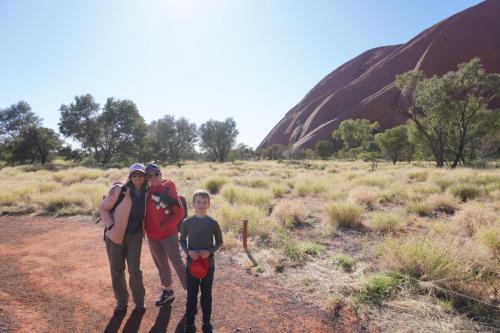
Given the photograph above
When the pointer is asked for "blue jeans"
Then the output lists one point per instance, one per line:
(193, 286)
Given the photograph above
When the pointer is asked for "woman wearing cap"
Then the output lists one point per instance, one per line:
(122, 212)
(163, 213)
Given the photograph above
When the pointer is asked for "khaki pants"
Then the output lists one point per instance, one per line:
(129, 251)
(164, 250)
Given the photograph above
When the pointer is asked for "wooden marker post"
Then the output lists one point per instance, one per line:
(245, 233)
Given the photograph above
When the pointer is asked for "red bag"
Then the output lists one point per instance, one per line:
(199, 268)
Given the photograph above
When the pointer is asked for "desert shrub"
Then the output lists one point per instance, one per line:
(289, 214)
(343, 214)
(253, 182)
(302, 249)
(279, 190)
(423, 191)
(364, 196)
(306, 187)
(444, 183)
(76, 175)
(379, 286)
(231, 219)
(345, 262)
(396, 194)
(473, 216)
(489, 236)
(426, 256)
(388, 222)
(374, 180)
(418, 175)
(256, 197)
(443, 203)
(465, 192)
(422, 208)
(214, 185)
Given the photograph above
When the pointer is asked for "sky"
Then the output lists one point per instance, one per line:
(251, 60)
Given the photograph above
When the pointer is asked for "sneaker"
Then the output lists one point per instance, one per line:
(120, 310)
(207, 328)
(166, 295)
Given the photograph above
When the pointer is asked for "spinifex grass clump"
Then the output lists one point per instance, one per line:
(376, 287)
(388, 221)
(214, 185)
(245, 195)
(345, 262)
(344, 214)
(465, 192)
(289, 214)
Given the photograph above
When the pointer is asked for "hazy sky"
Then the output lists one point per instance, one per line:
(252, 60)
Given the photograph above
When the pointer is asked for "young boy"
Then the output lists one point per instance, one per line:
(197, 240)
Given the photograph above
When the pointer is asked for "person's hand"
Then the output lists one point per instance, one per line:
(193, 254)
(204, 254)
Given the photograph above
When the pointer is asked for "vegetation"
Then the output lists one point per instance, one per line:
(347, 230)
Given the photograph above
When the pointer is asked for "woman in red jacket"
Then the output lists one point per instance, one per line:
(163, 213)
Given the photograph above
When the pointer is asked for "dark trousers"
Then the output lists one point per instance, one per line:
(130, 252)
(193, 286)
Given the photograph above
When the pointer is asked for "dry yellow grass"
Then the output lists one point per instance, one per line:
(456, 236)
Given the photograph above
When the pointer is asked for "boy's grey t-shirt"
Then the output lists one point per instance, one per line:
(199, 233)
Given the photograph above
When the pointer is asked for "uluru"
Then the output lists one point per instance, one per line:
(364, 86)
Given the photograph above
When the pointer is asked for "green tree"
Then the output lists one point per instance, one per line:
(274, 151)
(450, 109)
(169, 140)
(355, 133)
(118, 130)
(79, 120)
(324, 149)
(393, 142)
(218, 137)
(22, 136)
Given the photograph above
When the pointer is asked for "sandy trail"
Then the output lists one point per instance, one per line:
(55, 278)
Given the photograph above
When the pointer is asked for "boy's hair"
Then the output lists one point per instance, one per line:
(202, 194)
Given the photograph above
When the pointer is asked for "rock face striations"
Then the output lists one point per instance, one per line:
(364, 86)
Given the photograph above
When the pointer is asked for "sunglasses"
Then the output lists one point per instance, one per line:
(137, 174)
(154, 174)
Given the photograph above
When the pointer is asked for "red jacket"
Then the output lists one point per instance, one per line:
(159, 225)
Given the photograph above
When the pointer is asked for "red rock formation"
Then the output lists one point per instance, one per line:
(364, 87)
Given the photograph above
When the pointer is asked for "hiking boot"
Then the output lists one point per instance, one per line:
(120, 310)
(166, 295)
(189, 328)
(207, 328)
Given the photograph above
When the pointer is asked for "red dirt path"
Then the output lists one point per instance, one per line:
(54, 277)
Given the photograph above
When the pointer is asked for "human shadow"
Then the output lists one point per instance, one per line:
(114, 323)
(180, 325)
(162, 319)
(134, 322)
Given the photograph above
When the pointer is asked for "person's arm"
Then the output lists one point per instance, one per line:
(176, 211)
(217, 234)
(182, 240)
(107, 204)
(183, 237)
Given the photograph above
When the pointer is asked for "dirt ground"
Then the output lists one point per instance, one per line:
(54, 277)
